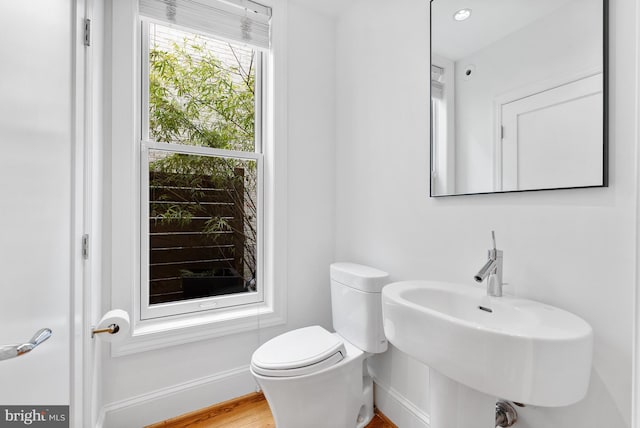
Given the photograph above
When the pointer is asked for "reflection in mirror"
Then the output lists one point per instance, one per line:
(518, 95)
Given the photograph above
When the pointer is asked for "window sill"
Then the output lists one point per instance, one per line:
(149, 335)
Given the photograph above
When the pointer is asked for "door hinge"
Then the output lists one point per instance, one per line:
(85, 246)
(502, 132)
(87, 32)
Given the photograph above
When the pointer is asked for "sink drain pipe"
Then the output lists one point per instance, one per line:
(506, 415)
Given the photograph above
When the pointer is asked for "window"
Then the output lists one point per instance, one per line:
(438, 106)
(147, 170)
(442, 126)
(201, 156)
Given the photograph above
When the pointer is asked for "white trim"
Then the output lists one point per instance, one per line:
(275, 120)
(80, 411)
(123, 238)
(515, 95)
(444, 155)
(196, 327)
(94, 116)
(165, 403)
(544, 85)
(200, 150)
(145, 58)
(397, 408)
(635, 369)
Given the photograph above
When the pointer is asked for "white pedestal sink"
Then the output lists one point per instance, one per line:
(498, 347)
(454, 405)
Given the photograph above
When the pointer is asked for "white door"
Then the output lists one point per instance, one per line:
(553, 138)
(36, 122)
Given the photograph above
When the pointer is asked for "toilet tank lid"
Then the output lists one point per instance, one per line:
(360, 277)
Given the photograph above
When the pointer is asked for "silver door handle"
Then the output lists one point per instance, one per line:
(12, 351)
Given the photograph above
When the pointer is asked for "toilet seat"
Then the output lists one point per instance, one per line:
(298, 352)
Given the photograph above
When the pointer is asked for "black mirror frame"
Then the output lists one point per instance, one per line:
(605, 112)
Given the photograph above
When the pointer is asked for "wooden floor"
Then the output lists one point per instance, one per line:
(249, 411)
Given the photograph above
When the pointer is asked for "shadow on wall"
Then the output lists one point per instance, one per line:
(577, 415)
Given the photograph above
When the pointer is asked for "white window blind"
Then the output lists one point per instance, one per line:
(437, 82)
(237, 20)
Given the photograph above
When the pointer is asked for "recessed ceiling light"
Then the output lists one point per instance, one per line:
(462, 14)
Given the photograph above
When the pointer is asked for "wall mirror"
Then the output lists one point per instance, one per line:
(518, 95)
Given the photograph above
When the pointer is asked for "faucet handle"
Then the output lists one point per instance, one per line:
(493, 238)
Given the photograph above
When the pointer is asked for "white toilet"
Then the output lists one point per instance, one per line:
(313, 378)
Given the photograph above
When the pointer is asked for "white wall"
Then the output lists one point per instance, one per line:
(36, 131)
(574, 249)
(311, 165)
(178, 379)
(529, 56)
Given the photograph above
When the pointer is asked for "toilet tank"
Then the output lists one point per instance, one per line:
(356, 305)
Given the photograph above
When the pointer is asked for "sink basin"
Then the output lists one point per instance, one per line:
(515, 349)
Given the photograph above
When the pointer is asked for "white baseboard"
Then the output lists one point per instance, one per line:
(178, 399)
(398, 409)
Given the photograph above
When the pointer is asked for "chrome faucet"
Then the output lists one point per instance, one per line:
(492, 269)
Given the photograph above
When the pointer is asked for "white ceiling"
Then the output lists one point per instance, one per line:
(490, 20)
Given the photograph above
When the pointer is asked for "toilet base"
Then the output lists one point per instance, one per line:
(366, 411)
(339, 397)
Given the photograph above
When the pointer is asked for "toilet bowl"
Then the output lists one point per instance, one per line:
(326, 393)
(313, 378)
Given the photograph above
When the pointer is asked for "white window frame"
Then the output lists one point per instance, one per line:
(443, 172)
(148, 311)
(123, 199)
